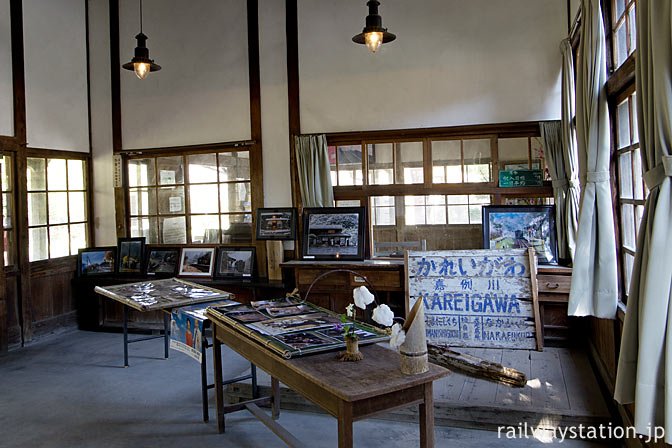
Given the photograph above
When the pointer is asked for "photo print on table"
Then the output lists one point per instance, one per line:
(303, 340)
(290, 324)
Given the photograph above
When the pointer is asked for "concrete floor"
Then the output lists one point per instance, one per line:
(71, 391)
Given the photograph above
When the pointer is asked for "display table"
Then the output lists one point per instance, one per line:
(349, 391)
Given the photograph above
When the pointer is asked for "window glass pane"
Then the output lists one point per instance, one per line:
(234, 166)
(77, 238)
(638, 181)
(380, 164)
(446, 161)
(173, 230)
(538, 161)
(77, 206)
(513, 153)
(205, 229)
(635, 127)
(475, 214)
(458, 214)
(331, 151)
(37, 209)
(171, 201)
(202, 168)
(621, 45)
(36, 174)
(350, 165)
(236, 228)
(141, 172)
(628, 222)
(623, 125)
(629, 262)
(625, 172)
(75, 175)
(6, 167)
(410, 162)
(639, 212)
(58, 208)
(37, 242)
(9, 248)
(171, 170)
(414, 215)
(436, 214)
(632, 22)
(348, 203)
(235, 197)
(142, 201)
(145, 227)
(383, 211)
(203, 198)
(7, 210)
(477, 157)
(59, 241)
(619, 8)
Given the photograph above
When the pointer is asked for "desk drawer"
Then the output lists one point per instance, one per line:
(556, 284)
(383, 280)
(305, 277)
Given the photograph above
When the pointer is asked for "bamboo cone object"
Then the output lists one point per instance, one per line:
(413, 351)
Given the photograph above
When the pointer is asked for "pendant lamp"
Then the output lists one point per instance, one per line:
(374, 35)
(141, 64)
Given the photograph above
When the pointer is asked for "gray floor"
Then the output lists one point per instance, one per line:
(72, 391)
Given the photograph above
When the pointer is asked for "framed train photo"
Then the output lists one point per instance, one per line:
(276, 223)
(333, 233)
(197, 262)
(520, 226)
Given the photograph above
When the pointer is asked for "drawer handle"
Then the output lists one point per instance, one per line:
(552, 285)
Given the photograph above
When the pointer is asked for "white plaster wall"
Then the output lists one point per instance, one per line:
(101, 123)
(201, 95)
(274, 103)
(6, 91)
(55, 70)
(454, 62)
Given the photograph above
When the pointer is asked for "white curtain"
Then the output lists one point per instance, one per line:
(312, 159)
(645, 362)
(551, 136)
(569, 144)
(594, 288)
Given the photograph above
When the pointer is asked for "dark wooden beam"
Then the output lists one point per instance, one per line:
(256, 160)
(242, 145)
(117, 145)
(18, 76)
(292, 32)
(91, 228)
(359, 192)
(623, 78)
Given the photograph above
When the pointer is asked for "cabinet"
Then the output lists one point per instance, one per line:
(554, 283)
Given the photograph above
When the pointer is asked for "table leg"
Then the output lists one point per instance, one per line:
(166, 336)
(255, 387)
(204, 375)
(219, 387)
(275, 394)
(427, 418)
(345, 425)
(125, 325)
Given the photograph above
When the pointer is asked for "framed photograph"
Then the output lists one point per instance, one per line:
(162, 261)
(96, 261)
(197, 262)
(235, 262)
(333, 233)
(520, 165)
(520, 226)
(276, 223)
(131, 253)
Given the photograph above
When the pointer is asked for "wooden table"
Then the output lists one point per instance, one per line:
(346, 390)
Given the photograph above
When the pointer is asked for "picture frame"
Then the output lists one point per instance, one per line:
(97, 261)
(197, 261)
(276, 223)
(161, 261)
(519, 226)
(235, 262)
(130, 255)
(334, 233)
(522, 165)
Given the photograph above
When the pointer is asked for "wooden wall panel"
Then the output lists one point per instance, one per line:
(13, 323)
(52, 298)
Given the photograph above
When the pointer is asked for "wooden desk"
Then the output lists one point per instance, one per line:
(348, 391)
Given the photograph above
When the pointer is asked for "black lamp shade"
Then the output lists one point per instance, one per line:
(374, 24)
(142, 55)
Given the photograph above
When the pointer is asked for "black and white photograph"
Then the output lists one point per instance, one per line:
(282, 325)
(338, 333)
(276, 223)
(303, 340)
(246, 316)
(197, 261)
(333, 233)
(235, 262)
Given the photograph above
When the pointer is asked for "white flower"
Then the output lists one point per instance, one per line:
(398, 336)
(362, 297)
(383, 315)
(350, 310)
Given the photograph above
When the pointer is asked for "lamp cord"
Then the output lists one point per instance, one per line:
(141, 16)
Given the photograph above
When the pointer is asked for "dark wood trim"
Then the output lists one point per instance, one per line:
(359, 192)
(256, 159)
(4, 327)
(18, 75)
(9, 143)
(57, 153)
(241, 145)
(522, 129)
(45, 268)
(89, 182)
(623, 78)
(22, 256)
(292, 34)
(115, 78)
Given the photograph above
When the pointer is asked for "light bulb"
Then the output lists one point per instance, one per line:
(373, 40)
(141, 69)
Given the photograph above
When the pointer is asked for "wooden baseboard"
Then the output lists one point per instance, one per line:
(67, 321)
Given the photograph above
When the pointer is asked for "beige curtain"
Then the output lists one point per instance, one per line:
(645, 362)
(312, 159)
(594, 288)
(551, 136)
(569, 143)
